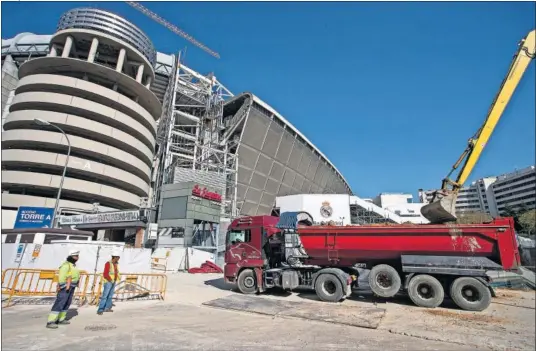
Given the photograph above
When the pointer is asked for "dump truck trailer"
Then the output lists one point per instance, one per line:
(429, 262)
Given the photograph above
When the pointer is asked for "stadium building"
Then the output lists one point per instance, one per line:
(94, 85)
(139, 123)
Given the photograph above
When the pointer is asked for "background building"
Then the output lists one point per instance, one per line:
(138, 121)
(494, 195)
(515, 190)
(339, 209)
(401, 205)
(94, 84)
(275, 159)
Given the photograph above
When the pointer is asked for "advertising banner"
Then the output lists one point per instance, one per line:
(104, 217)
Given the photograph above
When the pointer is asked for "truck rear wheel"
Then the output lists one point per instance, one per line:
(384, 280)
(246, 282)
(470, 294)
(426, 291)
(329, 288)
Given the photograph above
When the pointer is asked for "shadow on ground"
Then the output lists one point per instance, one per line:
(361, 295)
(71, 313)
(219, 283)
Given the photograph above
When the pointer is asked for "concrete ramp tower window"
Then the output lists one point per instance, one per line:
(174, 207)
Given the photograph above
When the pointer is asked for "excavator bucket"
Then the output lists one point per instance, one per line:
(441, 210)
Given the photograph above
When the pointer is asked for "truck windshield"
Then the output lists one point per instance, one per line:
(238, 236)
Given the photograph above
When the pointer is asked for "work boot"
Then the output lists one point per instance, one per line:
(52, 326)
(108, 310)
(64, 322)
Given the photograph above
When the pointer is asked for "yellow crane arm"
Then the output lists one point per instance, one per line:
(443, 206)
(519, 65)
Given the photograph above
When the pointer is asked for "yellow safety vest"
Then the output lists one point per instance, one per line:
(113, 273)
(67, 269)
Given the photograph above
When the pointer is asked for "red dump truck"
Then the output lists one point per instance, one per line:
(426, 261)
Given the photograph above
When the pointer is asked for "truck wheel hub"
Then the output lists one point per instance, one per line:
(329, 288)
(470, 294)
(383, 280)
(425, 291)
(249, 282)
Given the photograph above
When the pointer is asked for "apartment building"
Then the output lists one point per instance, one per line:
(494, 195)
(515, 190)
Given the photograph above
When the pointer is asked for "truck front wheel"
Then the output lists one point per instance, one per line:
(329, 288)
(470, 294)
(384, 280)
(246, 282)
(426, 291)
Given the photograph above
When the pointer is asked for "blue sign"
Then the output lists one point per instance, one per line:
(34, 217)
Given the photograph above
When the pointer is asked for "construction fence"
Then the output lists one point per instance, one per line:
(26, 285)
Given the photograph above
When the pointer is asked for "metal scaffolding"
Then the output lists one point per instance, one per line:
(362, 216)
(190, 135)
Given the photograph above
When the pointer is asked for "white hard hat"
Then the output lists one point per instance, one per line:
(74, 252)
(116, 253)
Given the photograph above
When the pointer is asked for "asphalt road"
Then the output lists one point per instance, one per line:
(182, 322)
(148, 325)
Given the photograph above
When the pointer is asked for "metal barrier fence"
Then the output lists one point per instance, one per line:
(160, 263)
(39, 283)
(142, 285)
(9, 274)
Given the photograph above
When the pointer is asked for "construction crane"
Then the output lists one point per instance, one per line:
(171, 27)
(442, 207)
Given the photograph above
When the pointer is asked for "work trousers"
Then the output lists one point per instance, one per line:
(63, 301)
(106, 298)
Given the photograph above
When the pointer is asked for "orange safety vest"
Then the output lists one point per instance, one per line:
(113, 273)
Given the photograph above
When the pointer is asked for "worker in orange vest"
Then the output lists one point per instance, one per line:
(111, 277)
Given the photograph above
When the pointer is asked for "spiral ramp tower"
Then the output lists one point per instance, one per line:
(95, 85)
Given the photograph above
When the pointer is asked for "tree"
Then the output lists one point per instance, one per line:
(527, 221)
(514, 213)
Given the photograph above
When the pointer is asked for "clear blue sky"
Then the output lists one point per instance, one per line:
(390, 92)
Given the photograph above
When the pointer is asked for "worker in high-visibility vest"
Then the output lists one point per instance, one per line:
(111, 277)
(69, 275)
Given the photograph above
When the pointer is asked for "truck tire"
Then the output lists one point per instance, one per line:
(470, 294)
(384, 280)
(426, 291)
(329, 288)
(246, 282)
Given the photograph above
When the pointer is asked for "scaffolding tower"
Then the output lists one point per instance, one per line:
(190, 136)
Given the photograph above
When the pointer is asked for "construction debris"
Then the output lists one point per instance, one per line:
(207, 267)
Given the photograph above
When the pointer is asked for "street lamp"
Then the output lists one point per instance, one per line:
(42, 122)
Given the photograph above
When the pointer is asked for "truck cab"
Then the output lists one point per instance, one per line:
(244, 243)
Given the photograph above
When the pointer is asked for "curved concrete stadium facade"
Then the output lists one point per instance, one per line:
(110, 116)
(274, 158)
(94, 83)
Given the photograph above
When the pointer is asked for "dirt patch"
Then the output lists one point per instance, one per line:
(515, 294)
(469, 317)
(505, 294)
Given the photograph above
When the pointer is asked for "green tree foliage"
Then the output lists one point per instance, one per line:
(514, 213)
(527, 220)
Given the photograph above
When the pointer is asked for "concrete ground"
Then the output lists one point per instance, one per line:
(182, 323)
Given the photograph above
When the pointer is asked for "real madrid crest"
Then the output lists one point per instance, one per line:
(326, 211)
